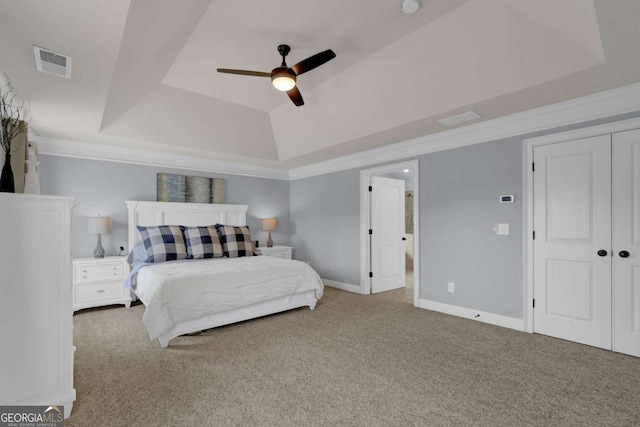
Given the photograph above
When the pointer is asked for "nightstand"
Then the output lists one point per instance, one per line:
(100, 281)
(277, 251)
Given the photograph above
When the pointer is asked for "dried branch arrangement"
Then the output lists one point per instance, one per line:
(13, 116)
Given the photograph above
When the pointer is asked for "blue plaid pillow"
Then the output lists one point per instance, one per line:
(202, 242)
(236, 241)
(163, 243)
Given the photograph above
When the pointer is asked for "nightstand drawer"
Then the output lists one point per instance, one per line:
(98, 273)
(283, 252)
(277, 254)
(99, 292)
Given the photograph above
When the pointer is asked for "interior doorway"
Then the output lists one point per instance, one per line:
(409, 173)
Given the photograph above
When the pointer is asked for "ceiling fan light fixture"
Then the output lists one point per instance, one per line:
(283, 79)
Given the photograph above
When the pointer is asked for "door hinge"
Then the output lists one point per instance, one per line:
(534, 303)
(370, 231)
(533, 167)
(370, 188)
(370, 274)
(534, 235)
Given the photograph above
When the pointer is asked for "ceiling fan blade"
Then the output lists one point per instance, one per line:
(313, 62)
(244, 72)
(295, 96)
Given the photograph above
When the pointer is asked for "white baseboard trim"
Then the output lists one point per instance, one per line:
(343, 286)
(468, 313)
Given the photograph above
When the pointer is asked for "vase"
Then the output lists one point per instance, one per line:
(7, 184)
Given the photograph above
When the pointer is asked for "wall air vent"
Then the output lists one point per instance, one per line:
(52, 62)
(460, 118)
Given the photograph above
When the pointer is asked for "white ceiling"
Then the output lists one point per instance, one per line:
(144, 71)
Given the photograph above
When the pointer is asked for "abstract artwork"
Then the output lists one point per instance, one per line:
(189, 189)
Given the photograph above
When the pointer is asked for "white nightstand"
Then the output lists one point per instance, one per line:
(100, 281)
(277, 251)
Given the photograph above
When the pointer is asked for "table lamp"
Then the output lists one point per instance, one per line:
(269, 224)
(99, 225)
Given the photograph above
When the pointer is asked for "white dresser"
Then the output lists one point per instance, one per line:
(277, 251)
(99, 281)
(36, 308)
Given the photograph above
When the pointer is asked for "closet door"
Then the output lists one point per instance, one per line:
(572, 246)
(626, 242)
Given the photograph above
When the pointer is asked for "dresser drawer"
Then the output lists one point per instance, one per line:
(99, 292)
(98, 273)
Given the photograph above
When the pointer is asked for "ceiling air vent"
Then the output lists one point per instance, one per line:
(460, 118)
(52, 62)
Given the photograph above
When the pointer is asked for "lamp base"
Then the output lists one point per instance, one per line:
(98, 252)
(269, 241)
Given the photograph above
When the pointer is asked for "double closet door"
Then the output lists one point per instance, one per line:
(587, 241)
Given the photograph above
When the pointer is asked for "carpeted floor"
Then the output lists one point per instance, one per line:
(356, 360)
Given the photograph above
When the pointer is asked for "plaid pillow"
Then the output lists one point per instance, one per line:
(163, 243)
(202, 242)
(236, 241)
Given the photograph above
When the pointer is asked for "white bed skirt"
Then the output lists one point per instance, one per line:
(260, 309)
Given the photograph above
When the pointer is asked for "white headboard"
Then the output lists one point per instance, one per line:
(190, 214)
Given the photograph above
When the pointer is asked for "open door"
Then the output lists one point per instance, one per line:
(387, 234)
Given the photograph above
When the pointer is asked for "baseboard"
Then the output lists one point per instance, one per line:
(343, 286)
(480, 316)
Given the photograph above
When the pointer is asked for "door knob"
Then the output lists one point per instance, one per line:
(404, 238)
(623, 254)
(602, 252)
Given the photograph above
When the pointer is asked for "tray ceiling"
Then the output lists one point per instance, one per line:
(144, 71)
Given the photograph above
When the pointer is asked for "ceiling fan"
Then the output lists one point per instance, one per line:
(283, 78)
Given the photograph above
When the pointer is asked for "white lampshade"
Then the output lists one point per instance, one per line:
(99, 225)
(269, 224)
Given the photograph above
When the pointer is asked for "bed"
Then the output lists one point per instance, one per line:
(187, 296)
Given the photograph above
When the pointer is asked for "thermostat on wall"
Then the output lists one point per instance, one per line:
(507, 199)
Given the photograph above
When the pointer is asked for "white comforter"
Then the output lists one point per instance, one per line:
(174, 292)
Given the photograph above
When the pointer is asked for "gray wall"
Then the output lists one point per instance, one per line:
(459, 203)
(325, 224)
(101, 188)
(459, 192)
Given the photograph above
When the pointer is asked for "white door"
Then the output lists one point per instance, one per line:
(626, 238)
(387, 227)
(572, 246)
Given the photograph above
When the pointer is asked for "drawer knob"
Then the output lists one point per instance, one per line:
(100, 291)
(84, 277)
(84, 271)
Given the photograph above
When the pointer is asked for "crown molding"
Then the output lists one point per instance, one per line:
(600, 105)
(82, 150)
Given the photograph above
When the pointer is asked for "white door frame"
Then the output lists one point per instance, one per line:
(529, 144)
(365, 215)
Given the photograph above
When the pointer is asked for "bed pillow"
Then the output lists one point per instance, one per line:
(163, 243)
(236, 241)
(202, 242)
(137, 255)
